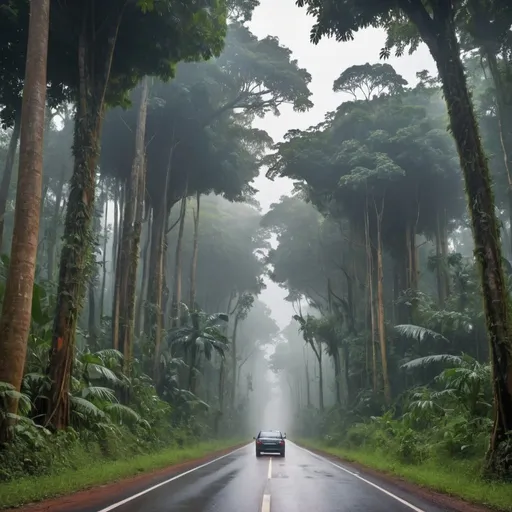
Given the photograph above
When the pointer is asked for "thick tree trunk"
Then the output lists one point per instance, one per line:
(79, 216)
(6, 178)
(126, 274)
(17, 300)
(380, 306)
(441, 38)
(195, 252)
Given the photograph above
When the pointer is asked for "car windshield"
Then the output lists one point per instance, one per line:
(270, 434)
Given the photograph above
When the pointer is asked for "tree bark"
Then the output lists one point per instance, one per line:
(155, 317)
(369, 260)
(104, 262)
(380, 306)
(128, 257)
(195, 252)
(320, 380)
(7, 176)
(78, 241)
(233, 364)
(440, 36)
(176, 296)
(139, 315)
(53, 229)
(441, 291)
(17, 300)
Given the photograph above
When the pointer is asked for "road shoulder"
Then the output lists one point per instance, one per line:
(385, 479)
(102, 495)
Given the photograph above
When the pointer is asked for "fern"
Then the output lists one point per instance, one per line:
(418, 333)
(428, 360)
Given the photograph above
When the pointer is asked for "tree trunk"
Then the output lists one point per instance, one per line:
(320, 380)
(195, 252)
(53, 230)
(504, 115)
(441, 292)
(6, 178)
(380, 305)
(233, 364)
(369, 260)
(337, 377)
(17, 300)
(308, 384)
(176, 296)
(155, 317)
(139, 315)
(79, 216)
(115, 230)
(104, 263)
(126, 274)
(441, 38)
(117, 271)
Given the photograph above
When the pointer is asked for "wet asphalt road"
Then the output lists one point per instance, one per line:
(301, 482)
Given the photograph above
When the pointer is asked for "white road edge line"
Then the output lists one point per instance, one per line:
(138, 495)
(390, 494)
(270, 468)
(265, 505)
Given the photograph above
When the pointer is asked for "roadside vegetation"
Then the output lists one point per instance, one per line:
(394, 358)
(80, 470)
(133, 250)
(129, 308)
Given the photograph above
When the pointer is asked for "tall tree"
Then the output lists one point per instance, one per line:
(111, 57)
(17, 300)
(434, 22)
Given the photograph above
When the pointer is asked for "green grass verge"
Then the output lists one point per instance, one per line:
(454, 478)
(93, 473)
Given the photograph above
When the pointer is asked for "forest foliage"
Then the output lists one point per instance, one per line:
(147, 250)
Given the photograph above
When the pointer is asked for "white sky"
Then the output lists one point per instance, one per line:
(325, 62)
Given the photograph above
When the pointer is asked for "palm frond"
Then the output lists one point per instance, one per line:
(122, 413)
(418, 333)
(85, 408)
(7, 390)
(98, 371)
(99, 392)
(110, 353)
(428, 360)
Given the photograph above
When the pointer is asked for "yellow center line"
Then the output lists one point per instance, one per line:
(270, 468)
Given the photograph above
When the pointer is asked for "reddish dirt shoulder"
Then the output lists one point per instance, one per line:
(435, 498)
(107, 494)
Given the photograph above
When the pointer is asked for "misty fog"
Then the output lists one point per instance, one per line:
(226, 220)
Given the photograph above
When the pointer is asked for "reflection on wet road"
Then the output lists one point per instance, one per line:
(301, 482)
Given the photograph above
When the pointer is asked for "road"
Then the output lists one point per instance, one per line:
(240, 482)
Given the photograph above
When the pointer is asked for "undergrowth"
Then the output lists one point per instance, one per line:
(81, 467)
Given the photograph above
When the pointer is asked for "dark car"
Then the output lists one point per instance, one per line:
(270, 441)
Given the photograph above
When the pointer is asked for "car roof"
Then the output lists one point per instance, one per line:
(274, 431)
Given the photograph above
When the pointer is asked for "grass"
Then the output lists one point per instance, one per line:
(451, 477)
(33, 489)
